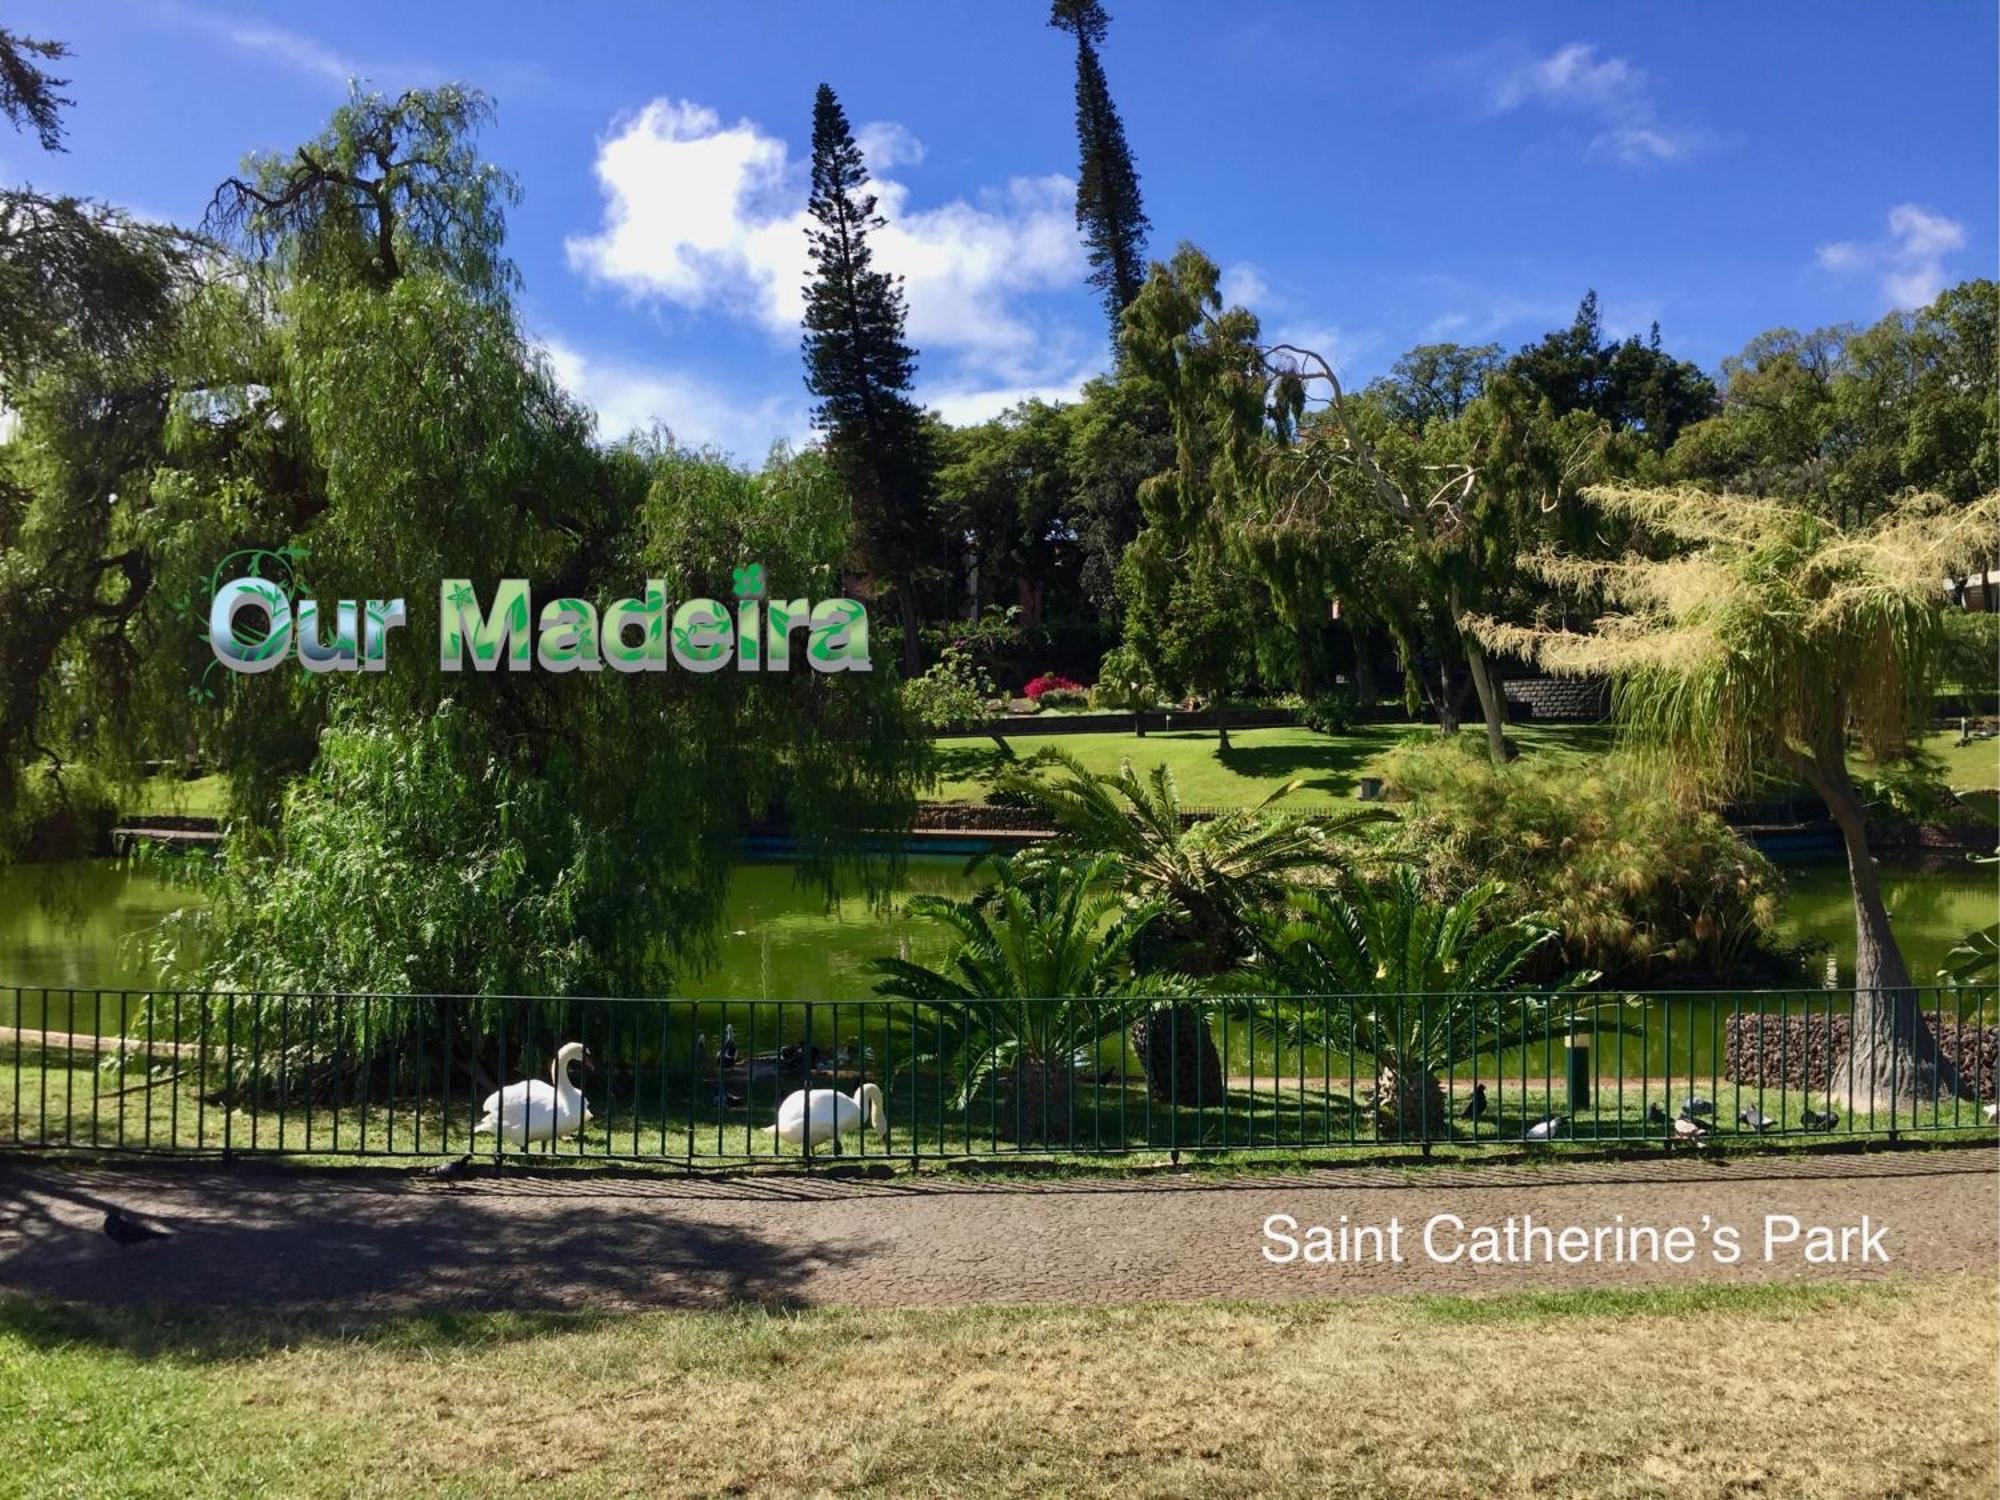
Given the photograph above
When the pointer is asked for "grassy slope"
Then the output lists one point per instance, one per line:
(1259, 760)
(1776, 1389)
(1330, 765)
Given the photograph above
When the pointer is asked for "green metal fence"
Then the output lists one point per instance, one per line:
(701, 1083)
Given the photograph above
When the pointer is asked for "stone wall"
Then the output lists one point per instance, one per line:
(1799, 1052)
(1584, 698)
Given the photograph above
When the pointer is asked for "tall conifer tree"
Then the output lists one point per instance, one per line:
(860, 368)
(1108, 208)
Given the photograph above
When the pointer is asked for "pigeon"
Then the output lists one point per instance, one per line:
(1754, 1118)
(730, 1054)
(1475, 1107)
(1655, 1115)
(1689, 1130)
(1694, 1107)
(1812, 1119)
(1547, 1130)
(129, 1232)
(450, 1171)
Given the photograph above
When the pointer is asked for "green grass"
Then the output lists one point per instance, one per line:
(1258, 761)
(62, 1100)
(1967, 768)
(172, 796)
(1802, 1390)
(1329, 766)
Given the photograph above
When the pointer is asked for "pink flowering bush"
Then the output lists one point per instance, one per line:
(1050, 682)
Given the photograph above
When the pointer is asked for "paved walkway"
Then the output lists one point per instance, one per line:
(379, 1241)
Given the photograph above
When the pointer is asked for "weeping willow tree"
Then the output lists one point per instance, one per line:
(1754, 638)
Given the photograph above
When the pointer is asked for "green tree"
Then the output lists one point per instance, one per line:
(1636, 387)
(90, 301)
(860, 368)
(1060, 942)
(1435, 974)
(28, 96)
(1209, 876)
(1109, 210)
(1760, 637)
(1841, 420)
(1005, 491)
(368, 409)
(1435, 380)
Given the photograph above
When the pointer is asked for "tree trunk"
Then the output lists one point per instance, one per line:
(1492, 706)
(1490, 702)
(1446, 707)
(913, 646)
(1179, 1056)
(1040, 1106)
(1892, 1062)
(1409, 1103)
(1365, 689)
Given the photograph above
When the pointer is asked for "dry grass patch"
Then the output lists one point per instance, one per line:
(1706, 1391)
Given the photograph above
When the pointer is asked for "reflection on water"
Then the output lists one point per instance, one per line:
(1931, 910)
(85, 923)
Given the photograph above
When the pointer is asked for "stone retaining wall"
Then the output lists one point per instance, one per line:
(1799, 1052)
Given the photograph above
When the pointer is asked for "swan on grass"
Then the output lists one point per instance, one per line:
(532, 1110)
(823, 1115)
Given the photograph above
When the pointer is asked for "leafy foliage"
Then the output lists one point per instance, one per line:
(1059, 933)
(1632, 883)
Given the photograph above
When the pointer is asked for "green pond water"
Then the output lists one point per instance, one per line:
(86, 926)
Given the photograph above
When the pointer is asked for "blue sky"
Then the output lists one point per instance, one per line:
(1370, 176)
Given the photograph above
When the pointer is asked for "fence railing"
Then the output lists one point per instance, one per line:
(701, 1083)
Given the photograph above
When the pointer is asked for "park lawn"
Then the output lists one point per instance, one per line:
(1967, 768)
(173, 796)
(1703, 1390)
(1258, 762)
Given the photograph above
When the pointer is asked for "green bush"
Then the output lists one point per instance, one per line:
(952, 695)
(1065, 698)
(1123, 683)
(1327, 714)
(1638, 886)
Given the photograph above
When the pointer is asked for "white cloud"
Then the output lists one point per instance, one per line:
(629, 397)
(885, 144)
(1243, 285)
(1610, 92)
(711, 217)
(1910, 258)
(960, 406)
(297, 51)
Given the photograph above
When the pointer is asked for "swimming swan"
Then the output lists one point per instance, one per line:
(535, 1111)
(831, 1114)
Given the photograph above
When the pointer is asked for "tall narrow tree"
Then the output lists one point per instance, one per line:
(860, 368)
(1108, 209)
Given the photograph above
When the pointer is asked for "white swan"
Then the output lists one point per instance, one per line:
(825, 1114)
(535, 1111)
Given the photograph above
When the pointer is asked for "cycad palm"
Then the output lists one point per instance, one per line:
(1433, 977)
(1209, 876)
(1059, 943)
